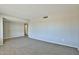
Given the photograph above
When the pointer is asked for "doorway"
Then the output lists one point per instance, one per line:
(26, 29)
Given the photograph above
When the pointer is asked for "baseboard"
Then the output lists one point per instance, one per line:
(12, 37)
(54, 42)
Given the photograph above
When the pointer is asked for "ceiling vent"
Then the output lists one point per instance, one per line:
(45, 17)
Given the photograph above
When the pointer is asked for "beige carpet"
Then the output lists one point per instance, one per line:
(27, 46)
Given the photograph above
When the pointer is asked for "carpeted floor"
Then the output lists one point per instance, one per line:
(27, 46)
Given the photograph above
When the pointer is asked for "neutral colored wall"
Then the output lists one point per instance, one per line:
(1, 31)
(62, 27)
(13, 29)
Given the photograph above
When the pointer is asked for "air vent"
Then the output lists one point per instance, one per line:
(45, 17)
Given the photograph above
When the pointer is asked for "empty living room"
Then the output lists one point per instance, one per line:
(39, 29)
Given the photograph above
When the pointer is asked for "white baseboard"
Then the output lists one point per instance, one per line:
(53, 42)
(13, 37)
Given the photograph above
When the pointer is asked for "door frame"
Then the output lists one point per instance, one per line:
(25, 30)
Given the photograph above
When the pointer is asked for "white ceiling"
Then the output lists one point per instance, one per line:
(30, 11)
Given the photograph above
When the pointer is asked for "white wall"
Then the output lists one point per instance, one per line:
(1, 31)
(13, 29)
(62, 27)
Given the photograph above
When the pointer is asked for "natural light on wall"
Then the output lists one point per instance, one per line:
(61, 27)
